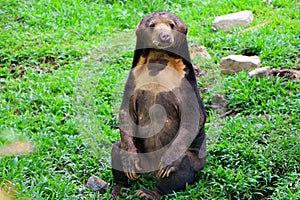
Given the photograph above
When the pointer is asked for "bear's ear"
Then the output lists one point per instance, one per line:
(136, 27)
(139, 26)
(145, 21)
(186, 30)
(181, 26)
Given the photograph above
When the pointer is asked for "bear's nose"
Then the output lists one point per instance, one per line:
(165, 36)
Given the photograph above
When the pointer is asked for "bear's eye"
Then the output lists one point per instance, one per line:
(172, 25)
(152, 25)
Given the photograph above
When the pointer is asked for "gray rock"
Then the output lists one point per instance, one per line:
(97, 184)
(260, 72)
(227, 22)
(237, 63)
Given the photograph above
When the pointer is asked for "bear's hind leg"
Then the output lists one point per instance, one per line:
(177, 180)
(119, 177)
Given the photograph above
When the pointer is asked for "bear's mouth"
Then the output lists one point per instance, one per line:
(162, 45)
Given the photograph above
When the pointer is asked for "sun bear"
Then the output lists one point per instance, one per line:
(162, 115)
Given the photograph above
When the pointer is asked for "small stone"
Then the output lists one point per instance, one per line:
(17, 112)
(260, 72)
(97, 184)
(227, 22)
(237, 63)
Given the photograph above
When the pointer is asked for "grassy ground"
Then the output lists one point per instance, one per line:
(63, 65)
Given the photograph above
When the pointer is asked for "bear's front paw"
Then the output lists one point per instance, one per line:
(131, 165)
(166, 166)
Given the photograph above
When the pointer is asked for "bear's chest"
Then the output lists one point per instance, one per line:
(160, 76)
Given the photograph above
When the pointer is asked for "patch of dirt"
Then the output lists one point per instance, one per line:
(4, 195)
(16, 148)
(7, 191)
(199, 72)
(200, 52)
(286, 73)
(19, 70)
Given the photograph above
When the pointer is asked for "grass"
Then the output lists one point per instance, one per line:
(63, 65)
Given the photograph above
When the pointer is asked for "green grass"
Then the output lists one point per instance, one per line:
(63, 65)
